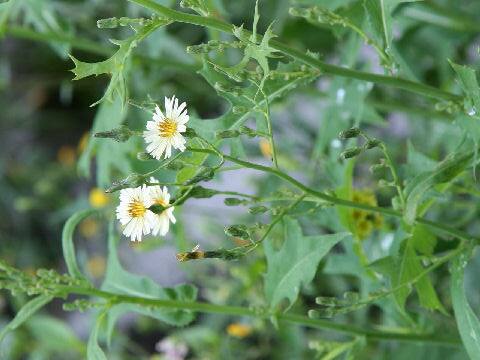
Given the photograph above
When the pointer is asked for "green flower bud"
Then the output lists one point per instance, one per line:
(175, 165)
(131, 181)
(157, 208)
(350, 153)
(144, 156)
(205, 174)
(226, 134)
(190, 133)
(350, 133)
(258, 209)
(233, 201)
(240, 231)
(247, 131)
(109, 23)
(120, 134)
(370, 144)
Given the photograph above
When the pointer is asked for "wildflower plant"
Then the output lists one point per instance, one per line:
(350, 239)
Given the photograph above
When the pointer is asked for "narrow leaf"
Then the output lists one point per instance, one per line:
(467, 322)
(94, 351)
(25, 312)
(67, 241)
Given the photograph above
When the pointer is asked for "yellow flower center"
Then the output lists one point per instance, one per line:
(136, 209)
(167, 128)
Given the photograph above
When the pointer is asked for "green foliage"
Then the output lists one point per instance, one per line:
(444, 172)
(25, 313)
(295, 263)
(119, 281)
(467, 322)
(67, 241)
(284, 136)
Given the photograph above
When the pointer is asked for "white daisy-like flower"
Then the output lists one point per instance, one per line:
(133, 212)
(164, 131)
(161, 196)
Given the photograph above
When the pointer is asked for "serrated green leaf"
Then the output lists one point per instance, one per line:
(402, 271)
(67, 241)
(117, 65)
(25, 313)
(295, 263)
(467, 322)
(446, 171)
(119, 281)
(469, 84)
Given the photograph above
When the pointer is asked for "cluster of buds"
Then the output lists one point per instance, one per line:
(357, 150)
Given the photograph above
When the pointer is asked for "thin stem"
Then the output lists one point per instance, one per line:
(204, 307)
(278, 218)
(393, 171)
(342, 202)
(404, 84)
(269, 127)
(91, 46)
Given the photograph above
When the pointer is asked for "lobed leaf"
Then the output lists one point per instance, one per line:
(295, 264)
(120, 281)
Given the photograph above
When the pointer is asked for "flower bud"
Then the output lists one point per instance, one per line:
(373, 143)
(190, 133)
(109, 23)
(144, 156)
(120, 134)
(157, 208)
(233, 201)
(240, 231)
(350, 133)
(226, 134)
(245, 130)
(131, 181)
(257, 209)
(205, 174)
(350, 153)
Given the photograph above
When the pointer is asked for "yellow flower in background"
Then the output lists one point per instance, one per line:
(66, 155)
(96, 266)
(266, 148)
(97, 198)
(89, 228)
(239, 330)
(83, 142)
(364, 221)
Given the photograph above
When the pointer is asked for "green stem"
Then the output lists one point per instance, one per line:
(349, 329)
(404, 84)
(280, 217)
(90, 46)
(341, 202)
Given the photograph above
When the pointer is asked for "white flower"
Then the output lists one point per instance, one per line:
(164, 131)
(161, 196)
(133, 212)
